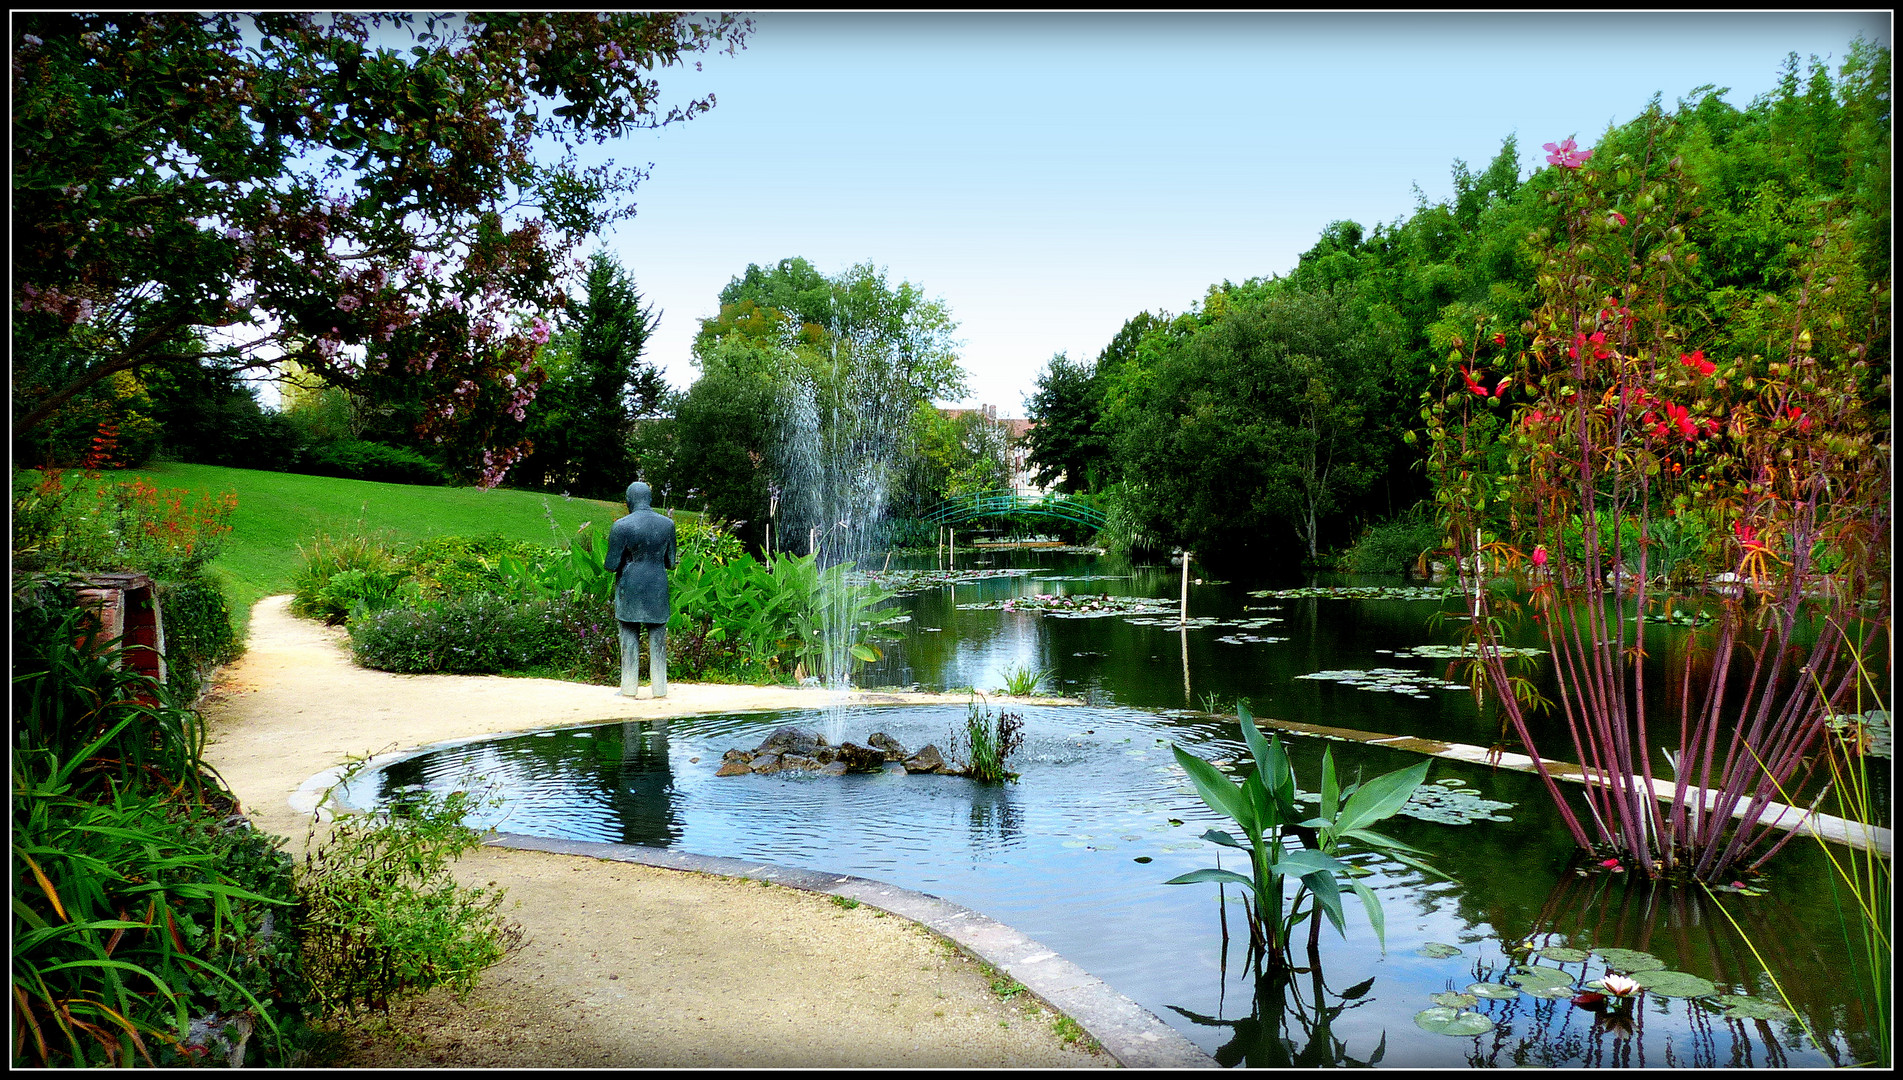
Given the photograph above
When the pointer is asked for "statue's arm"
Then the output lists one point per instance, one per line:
(617, 551)
(673, 554)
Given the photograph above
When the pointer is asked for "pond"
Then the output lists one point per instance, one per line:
(1076, 852)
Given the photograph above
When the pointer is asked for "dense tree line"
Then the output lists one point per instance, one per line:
(1275, 419)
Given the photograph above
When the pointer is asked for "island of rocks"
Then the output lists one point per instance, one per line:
(797, 748)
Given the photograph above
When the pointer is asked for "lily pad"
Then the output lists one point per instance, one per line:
(1630, 961)
(1675, 984)
(1453, 999)
(1442, 1020)
(1741, 1007)
(1438, 950)
(1497, 991)
(1560, 954)
(1533, 980)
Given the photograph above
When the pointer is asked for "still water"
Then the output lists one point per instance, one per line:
(1075, 853)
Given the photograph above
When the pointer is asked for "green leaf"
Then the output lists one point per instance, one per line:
(1377, 840)
(1328, 896)
(1451, 999)
(1217, 836)
(1630, 961)
(1445, 1021)
(1381, 797)
(1372, 905)
(1227, 877)
(1304, 861)
(1563, 955)
(1675, 983)
(1496, 991)
(1331, 787)
(1217, 791)
(1438, 950)
(867, 653)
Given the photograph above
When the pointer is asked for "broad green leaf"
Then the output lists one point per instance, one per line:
(1263, 816)
(1328, 895)
(1539, 978)
(1630, 961)
(1444, 1021)
(1217, 836)
(1304, 861)
(1675, 983)
(1498, 991)
(1563, 955)
(1227, 877)
(1452, 999)
(1379, 840)
(867, 653)
(1742, 1007)
(1372, 905)
(1217, 791)
(1381, 797)
(1438, 950)
(1331, 787)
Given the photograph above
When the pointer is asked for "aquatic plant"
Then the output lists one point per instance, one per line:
(1264, 806)
(1023, 680)
(1611, 445)
(987, 743)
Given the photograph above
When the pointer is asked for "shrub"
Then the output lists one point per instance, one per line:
(482, 634)
(383, 916)
(327, 556)
(148, 927)
(987, 743)
(1393, 546)
(455, 567)
(359, 459)
(80, 521)
(198, 631)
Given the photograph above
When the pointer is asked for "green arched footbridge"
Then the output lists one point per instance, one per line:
(987, 504)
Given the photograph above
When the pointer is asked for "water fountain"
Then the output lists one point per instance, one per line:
(837, 433)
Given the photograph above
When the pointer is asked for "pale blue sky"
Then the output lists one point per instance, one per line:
(1050, 176)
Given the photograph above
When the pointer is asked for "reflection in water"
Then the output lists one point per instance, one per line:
(1284, 1029)
(996, 821)
(644, 789)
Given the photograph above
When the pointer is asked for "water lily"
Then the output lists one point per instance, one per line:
(1619, 986)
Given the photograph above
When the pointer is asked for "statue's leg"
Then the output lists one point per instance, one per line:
(630, 658)
(657, 658)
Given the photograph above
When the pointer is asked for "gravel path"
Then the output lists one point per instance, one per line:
(625, 965)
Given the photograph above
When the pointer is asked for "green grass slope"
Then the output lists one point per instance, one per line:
(278, 511)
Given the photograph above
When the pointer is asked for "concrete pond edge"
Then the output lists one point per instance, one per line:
(1133, 1036)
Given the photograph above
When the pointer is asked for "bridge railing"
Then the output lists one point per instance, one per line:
(1011, 504)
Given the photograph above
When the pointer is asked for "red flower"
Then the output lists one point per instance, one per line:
(1501, 388)
(1471, 383)
(1797, 414)
(1539, 556)
(1499, 339)
(1748, 537)
(1696, 359)
(1618, 217)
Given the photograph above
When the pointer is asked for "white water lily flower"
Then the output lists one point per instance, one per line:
(1620, 986)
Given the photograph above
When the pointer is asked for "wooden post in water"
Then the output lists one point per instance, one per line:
(1183, 618)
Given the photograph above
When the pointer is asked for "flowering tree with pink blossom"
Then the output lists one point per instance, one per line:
(1595, 466)
(390, 199)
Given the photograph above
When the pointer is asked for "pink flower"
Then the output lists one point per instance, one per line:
(1539, 556)
(538, 331)
(348, 302)
(1566, 154)
(1696, 359)
(1617, 216)
(1619, 986)
(1748, 537)
(1611, 864)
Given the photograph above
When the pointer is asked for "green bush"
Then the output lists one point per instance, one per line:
(383, 915)
(456, 567)
(482, 634)
(148, 926)
(359, 459)
(327, 556)
(1393, 546)
(198, 631)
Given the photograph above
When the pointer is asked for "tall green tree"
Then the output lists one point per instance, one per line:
(390, 199)
(1252, 430)
(581, 422)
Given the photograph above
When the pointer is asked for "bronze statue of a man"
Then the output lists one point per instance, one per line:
(640, 553)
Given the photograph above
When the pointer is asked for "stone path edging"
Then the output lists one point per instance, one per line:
(1132, 1035)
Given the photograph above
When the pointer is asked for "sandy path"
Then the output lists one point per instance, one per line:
(625, 965)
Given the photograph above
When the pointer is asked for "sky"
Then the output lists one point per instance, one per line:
(1050, 176)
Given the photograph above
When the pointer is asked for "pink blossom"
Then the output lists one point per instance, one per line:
(348, 302)
(1566, 154)
(538, 330)
(1539, 556)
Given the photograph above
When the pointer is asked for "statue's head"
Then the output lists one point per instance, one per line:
(640, 497)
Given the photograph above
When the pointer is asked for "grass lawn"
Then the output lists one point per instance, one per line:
(278, 511)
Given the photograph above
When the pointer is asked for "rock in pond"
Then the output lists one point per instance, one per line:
(894, 751)
(927, 760)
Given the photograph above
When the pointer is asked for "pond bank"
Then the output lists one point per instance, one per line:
(625, 965)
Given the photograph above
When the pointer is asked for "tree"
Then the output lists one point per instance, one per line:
(389, 217)
(598, 386)
(1263, 420)
(1065, 444)
(721, 465)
